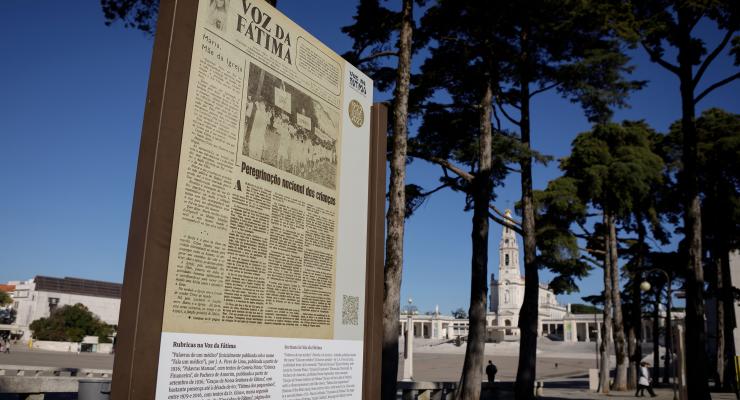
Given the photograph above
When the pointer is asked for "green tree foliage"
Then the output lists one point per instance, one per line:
(5, 299)
(615, 170)
(614, 166)
(71, 324)
(718, 135)
(460, 313)
(584, 309)
(557, 208)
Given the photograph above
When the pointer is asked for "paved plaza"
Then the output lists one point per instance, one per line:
(567, 380)
(447, 367)
(21, 355)
(584, 393)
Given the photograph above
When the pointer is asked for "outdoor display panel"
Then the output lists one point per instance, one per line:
(257, 213)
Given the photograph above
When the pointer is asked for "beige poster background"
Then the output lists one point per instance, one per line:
(254, 238)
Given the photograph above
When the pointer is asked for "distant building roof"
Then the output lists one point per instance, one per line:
(7, 288)
(79, 286)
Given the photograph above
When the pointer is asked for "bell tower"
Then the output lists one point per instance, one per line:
(508, 254)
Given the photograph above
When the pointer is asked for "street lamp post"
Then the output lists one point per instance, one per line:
(408, 346)
(645, 286)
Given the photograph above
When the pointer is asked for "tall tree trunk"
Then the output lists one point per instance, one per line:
(656, 334)
(396, 211)
(529, 314)
(471, 379)
(696, 337)
(720, 354)
(635, 332)
(631, 348)
(620, 380)
(606, 327)
(725, 316)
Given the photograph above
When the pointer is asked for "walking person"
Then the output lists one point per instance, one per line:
(644, 382)
(491, 371)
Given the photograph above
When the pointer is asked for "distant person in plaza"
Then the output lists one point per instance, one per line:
(491, 371)
(644, 382)
(217, 14)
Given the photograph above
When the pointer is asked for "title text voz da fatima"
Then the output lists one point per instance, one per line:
(260, 28)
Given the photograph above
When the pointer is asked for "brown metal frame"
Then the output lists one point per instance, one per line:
(144, 282)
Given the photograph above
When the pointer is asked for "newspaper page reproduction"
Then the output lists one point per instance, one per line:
(266, 275)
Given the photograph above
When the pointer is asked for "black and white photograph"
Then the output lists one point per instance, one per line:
(290, 130)
(217, 13)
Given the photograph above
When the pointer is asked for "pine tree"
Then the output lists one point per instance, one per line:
(718, 136)
(461, 132)
(653, 25)
(615, 169)
(372, 33)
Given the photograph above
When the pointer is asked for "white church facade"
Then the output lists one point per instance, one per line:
(506, 295)
(507, 292)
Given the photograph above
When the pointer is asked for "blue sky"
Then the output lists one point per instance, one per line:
(72, 97)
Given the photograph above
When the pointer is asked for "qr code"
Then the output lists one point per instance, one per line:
(350, 309)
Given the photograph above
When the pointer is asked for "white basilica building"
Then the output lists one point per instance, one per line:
(506, 297)
(507, 292)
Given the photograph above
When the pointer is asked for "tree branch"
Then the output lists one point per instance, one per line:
(446, 165)
(506, 223)
(592, 261)
(583, 228)
(543, 89)
(592, 251)
(498, 121)
(503, 215)
(377, 55)
(715, 86)
(712, 56)
(435, 190)
(512, 120)
(654, 56)
(428, 106)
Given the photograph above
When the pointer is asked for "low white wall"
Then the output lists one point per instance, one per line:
(70, 346)
(55, 346)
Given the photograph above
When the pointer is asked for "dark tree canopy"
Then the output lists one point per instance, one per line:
(615, 166)
(460, 313)
(584, 309)
(557, 208)
(718, 134)
(136, 14)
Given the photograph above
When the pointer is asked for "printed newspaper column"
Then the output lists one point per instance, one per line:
(265, 295)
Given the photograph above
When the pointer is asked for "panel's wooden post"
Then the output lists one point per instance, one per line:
(375, 255)
(142, 305)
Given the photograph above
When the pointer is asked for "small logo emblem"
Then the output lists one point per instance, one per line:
(356, 115)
